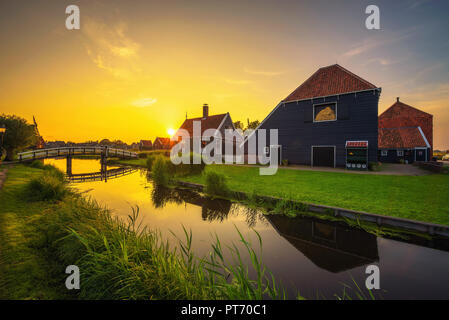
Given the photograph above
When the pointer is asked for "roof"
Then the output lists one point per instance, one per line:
(209, 122)
(356, 144)
(401, 110)
(401, 138)
(146, 143)
(164, 141)
(327, 81)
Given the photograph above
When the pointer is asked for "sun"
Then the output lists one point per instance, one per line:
(171, 132)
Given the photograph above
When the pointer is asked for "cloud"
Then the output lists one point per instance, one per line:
(110, 49)
(263, 73)
(144, 102)
(368, 45)
(237, 82)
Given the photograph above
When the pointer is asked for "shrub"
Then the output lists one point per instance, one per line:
(142, 155)
(215, 184)
(374, 166)
(160, 171)
(38, 164)
(47, 187)
(150, 161)
(285, 162)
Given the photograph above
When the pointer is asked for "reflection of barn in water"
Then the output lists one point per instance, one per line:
(328, 245)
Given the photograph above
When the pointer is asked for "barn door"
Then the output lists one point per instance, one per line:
(323, 156)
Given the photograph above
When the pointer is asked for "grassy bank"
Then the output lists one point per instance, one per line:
(422, 198)
(117, 260)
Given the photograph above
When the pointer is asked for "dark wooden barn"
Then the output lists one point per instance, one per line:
(330, 112)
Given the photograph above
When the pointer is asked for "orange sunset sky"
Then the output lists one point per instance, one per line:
(135, 68)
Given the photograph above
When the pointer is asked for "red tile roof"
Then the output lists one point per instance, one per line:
(356, 144)
(210, 122)
(146, 143)
(164, 141)
(327, 81)
(403, 115)
(400, 138)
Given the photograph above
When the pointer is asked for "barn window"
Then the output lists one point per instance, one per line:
(384, 153)
(325, 112)
(400, 153)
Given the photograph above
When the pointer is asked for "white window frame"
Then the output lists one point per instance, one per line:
(325, 104)
(400, 153)
(384, 153)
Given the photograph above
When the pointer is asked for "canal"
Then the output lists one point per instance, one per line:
(309, 256)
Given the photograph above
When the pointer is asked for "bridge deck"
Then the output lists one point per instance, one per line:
(70, 151)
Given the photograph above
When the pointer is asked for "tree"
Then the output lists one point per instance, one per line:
(19, 135)
(238, 125)
(252, 124)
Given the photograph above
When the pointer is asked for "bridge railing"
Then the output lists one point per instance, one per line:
(64, 151)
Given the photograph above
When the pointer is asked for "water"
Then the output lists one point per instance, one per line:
(309, 255)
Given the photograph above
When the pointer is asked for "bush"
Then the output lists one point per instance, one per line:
(38, 164)
(47, 187)
(160, 171)
(150, 161)
(374, 166)
(142, 155)
(285, 162)
(215, 184)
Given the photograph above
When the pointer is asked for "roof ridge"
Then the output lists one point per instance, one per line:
(353, 74)
(407, 105)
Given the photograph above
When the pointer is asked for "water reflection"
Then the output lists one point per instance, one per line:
(303, 253)
(328, 245)
(103, 175)
(212, 210)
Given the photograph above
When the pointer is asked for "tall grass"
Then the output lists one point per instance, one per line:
(215, 184)
(124, 260)
(160, 172)
(51, 185)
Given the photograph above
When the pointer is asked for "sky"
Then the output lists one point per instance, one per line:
(135, 68)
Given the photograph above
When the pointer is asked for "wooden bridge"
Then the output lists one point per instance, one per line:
(102, 151)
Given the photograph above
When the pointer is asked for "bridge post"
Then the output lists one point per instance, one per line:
(69, 165)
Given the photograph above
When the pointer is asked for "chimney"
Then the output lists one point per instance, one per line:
(205, 110)
(397, 99)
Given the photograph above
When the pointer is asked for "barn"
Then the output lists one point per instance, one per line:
(329, 120)
(405, 134)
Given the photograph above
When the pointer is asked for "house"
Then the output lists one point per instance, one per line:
(161, 143)
(405, 134)
(329, 120)
(219, 122)
(145, 145)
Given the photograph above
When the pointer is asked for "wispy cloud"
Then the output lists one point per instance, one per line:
(110, 49)
(368, 45)
(237, 82)
(263, 72)
(144, 102)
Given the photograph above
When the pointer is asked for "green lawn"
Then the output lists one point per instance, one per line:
(423, 198)
(25, 270)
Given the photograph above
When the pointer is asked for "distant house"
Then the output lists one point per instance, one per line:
(405, 134)
(329, 120)
(145, 145)
(161, 143)
(219, 122)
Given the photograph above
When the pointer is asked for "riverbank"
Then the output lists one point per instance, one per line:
(117, 260)
(419, 198)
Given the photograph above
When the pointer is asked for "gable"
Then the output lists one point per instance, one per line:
(327, 81)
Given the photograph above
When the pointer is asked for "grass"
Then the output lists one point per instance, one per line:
(422, 198)
(117, 259)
